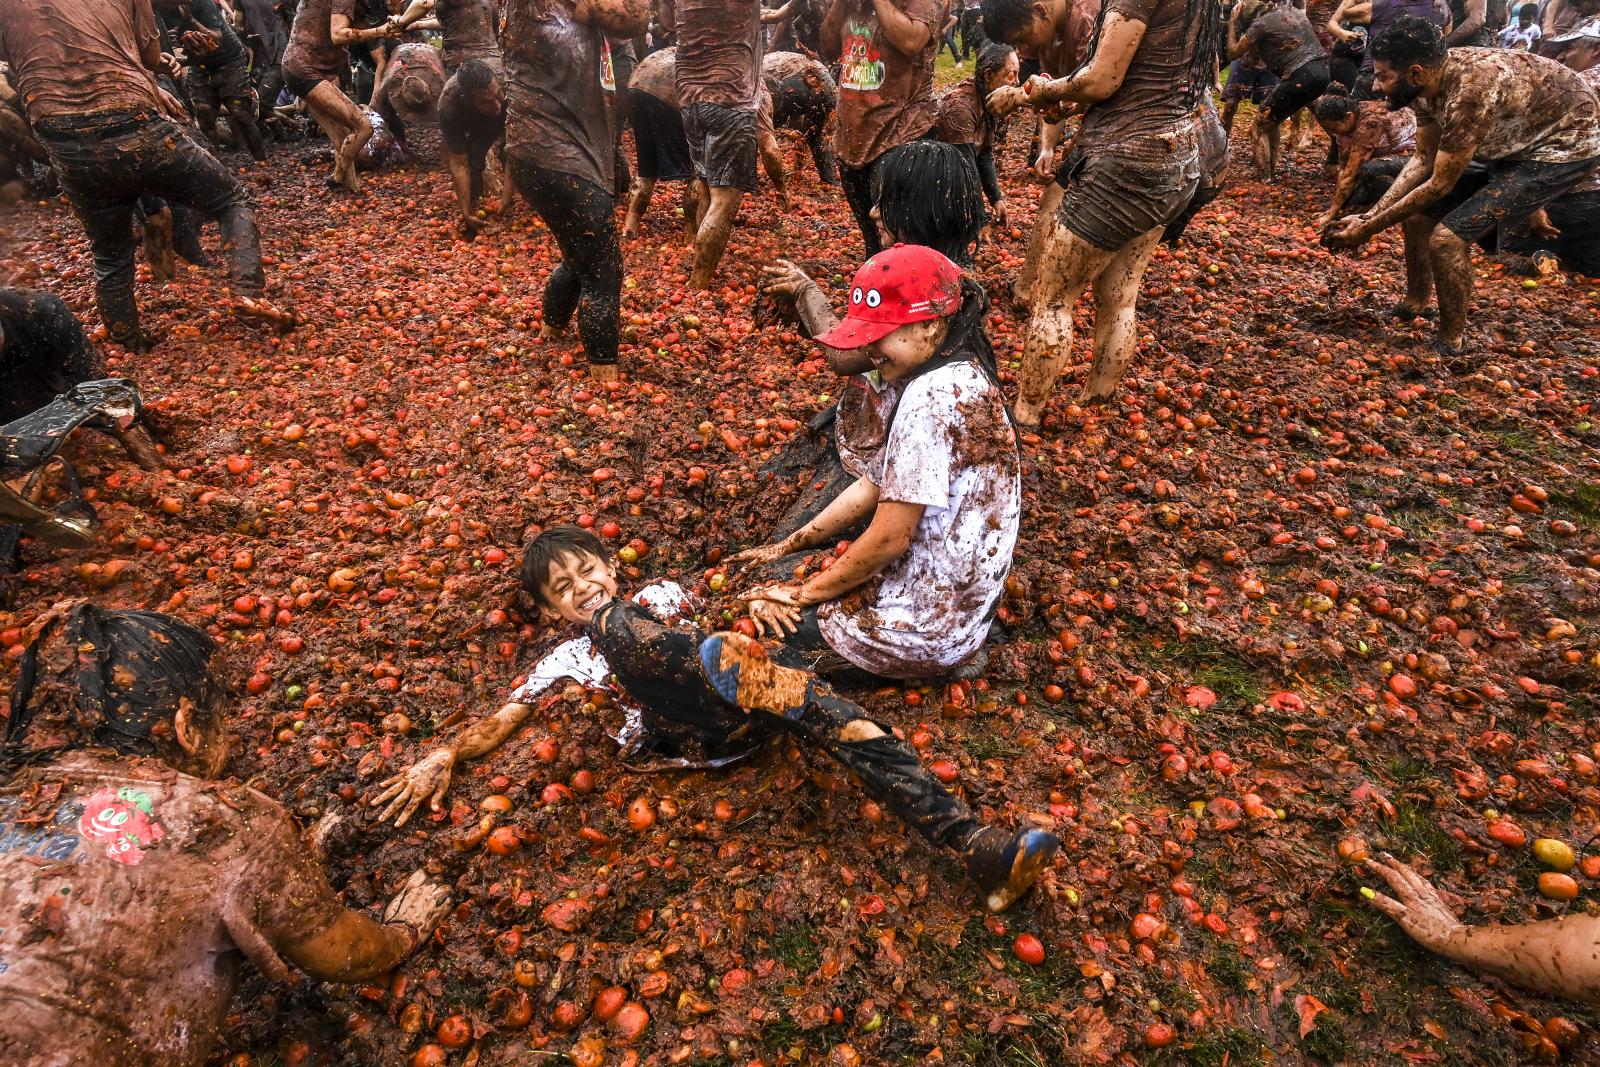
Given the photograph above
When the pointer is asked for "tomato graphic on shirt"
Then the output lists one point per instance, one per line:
(121, 821)
(861, 64)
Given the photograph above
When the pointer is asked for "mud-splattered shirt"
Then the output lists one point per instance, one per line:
(72, 58)
(471, 31)
(950, 449)
(311, 53)
(1379, 132)
(128, 892)
(1283, 39)
(657, 76)
(885, 96)
(961, 117)
(719, 52)
(556, 112)
(1148, 117)
(1506, 106)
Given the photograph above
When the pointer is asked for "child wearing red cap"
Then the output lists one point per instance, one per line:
(913, 596)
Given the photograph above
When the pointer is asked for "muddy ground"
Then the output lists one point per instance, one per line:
(1300, 585)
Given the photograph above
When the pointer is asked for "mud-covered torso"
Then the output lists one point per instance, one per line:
(71, 58)
(556, 113)
(471, 31)
(719, 52)
(118, 878)
(1508, 106)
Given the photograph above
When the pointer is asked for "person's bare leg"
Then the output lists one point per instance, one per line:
(1049, 202)
(698, 199)
(1116, 315)
(1267, 135)
(772, 163)
(346, 127)
(716, 226)
(1417, 230)
(638, 204)
(158, 249)
(1451, 260)
(1230, 108)
(1066, 267)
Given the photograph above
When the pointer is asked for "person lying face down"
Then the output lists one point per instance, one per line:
(135, 881)
(721, 696)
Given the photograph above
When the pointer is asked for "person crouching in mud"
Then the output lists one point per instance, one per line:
(1532, 124)
(725, 693)
(133, 881)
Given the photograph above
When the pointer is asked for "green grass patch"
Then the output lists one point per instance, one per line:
(795, 946)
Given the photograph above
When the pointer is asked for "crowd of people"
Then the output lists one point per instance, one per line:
(1460, 123)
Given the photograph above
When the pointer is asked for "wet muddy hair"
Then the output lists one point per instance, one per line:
(1004, 19)
(475, 74)
(547, 549)
(112, 678)
(992, 58)
(929, 193)
(1410, 41)
(1335, 105)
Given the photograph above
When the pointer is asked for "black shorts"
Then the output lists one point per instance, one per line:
(214, 86)
(1503, 194)
(1303, 85)
(722, 145)
(301, 84)
(1109, 201)
(658, 136)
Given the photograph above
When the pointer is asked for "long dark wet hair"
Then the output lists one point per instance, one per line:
(1335, 105)
(112, 678)
(992, 58)
(928, 193)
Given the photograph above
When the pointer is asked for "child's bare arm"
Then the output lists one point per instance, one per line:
(429, 778)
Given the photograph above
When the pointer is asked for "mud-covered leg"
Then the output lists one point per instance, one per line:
(1116, 309)
(1067, 266)
(1002, 863)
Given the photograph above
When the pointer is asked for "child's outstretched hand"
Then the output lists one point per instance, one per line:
(762, 553)
(427, 779)
(774, 609)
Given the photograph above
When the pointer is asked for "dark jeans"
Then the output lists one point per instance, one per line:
(107, 162)
(582, 218)
(659, 666)
(856, 182)
(971, 31)
(269, 83)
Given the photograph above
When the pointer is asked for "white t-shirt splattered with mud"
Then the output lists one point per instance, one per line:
(951, 449)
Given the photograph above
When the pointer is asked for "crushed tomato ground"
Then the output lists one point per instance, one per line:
(1299, 591)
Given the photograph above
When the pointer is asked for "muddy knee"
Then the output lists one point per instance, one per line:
(860, 730)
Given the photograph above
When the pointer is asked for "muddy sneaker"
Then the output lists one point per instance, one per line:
(742, 673)
(1005, 864)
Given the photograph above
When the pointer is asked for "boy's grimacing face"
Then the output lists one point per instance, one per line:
(577, 586)
(897, 354)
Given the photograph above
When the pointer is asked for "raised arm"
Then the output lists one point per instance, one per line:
(1102, 76)
(415, 12)
(905, 35)
(1477, 11)
(341, 33)
(616, 18)
(830, 36)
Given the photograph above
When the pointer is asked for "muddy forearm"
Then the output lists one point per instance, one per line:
(485, 736)
(880, 545)
(355, 949)
(1560, 956)
(843, 512)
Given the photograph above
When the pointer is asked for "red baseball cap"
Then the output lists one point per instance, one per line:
(900, 285)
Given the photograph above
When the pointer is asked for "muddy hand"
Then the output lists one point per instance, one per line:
(420, 905)
(428, 779)
(784, 278)
(1416, 904)
(760, 554)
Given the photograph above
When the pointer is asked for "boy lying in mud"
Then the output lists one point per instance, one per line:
(917, 591)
